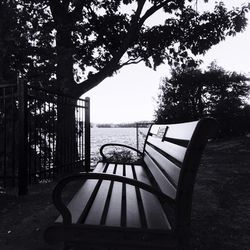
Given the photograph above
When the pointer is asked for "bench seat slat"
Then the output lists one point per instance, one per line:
(150, 207)
(132, 206)
(95, 213)
(114, 213)
(82, 196)
(110, 170)
(139, 201)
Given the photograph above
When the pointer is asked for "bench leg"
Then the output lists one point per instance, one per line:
(66, 247)
(184, 240)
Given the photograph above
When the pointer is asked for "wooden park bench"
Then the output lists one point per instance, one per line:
(136, 206)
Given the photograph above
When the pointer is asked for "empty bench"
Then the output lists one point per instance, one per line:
(136, 206)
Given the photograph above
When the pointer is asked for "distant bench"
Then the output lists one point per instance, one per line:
(130, 206)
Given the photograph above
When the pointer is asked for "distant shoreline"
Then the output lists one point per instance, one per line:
(122, 125)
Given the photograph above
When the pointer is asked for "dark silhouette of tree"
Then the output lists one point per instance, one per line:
(191, 94)
(80, 43)
(25, 51)
(72, 45)
(8, 46)
(26, 43)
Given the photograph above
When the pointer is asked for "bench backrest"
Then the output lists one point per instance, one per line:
(172, 154)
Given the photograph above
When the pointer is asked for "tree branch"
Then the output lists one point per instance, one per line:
(95, 79)
(152, 10)
(77, 12)
(131, 61)
(66, 4)
(56, 9)
(113, 64)
(136, 17)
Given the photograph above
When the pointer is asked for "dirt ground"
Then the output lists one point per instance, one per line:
(221, 204)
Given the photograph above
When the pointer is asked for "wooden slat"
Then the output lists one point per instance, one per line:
(80, 199)
(95, 213)
(132, 207)
(140, 204)
(168, 168)
(183, 131)
(163, 183)
(114, 212)
(169, 149)
(155, 128)
(183, 143)
(124, 201)
(163, 153)
(107, 203)
(155, 216)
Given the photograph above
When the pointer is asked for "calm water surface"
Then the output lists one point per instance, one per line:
(100, 136)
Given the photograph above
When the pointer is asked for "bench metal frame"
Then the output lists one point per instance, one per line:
(178, 205)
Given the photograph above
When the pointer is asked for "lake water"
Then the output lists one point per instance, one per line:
(127, 136)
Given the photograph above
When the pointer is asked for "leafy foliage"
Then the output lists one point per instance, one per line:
(191, 94)
(27, 41)
(80, 43)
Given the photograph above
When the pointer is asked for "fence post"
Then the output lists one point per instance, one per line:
(137, 136)
(87, 134)
(22, 141)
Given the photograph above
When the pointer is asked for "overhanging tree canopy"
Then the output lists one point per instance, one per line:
(94, 39)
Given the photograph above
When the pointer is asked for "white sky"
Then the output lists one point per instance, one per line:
(131, 95)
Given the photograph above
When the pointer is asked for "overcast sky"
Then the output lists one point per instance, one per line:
(131, 95)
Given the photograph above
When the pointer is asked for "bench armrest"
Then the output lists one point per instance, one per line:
(117, 144)
(62, 208)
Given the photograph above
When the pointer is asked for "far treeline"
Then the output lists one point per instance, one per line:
(193, 93)
(141, 124)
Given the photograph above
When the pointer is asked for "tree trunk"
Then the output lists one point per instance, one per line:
(66, 138)
(2, 48)
(64, 71)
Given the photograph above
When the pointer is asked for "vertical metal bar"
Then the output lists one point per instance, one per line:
(77, 133)
(29, 150)
(45, 157)
(23, 166)
(40, 136)
(44, 170)
(69, 149)
(72, 135)
(4, 138)
(65, 146)
(35, 139)
(137, 136)
(87, 134)
(53, 137)
(13, 121)
(49, 137)
(82, 142)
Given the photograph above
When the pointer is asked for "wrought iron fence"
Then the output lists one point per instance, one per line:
(45, 134)
(8, 132)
